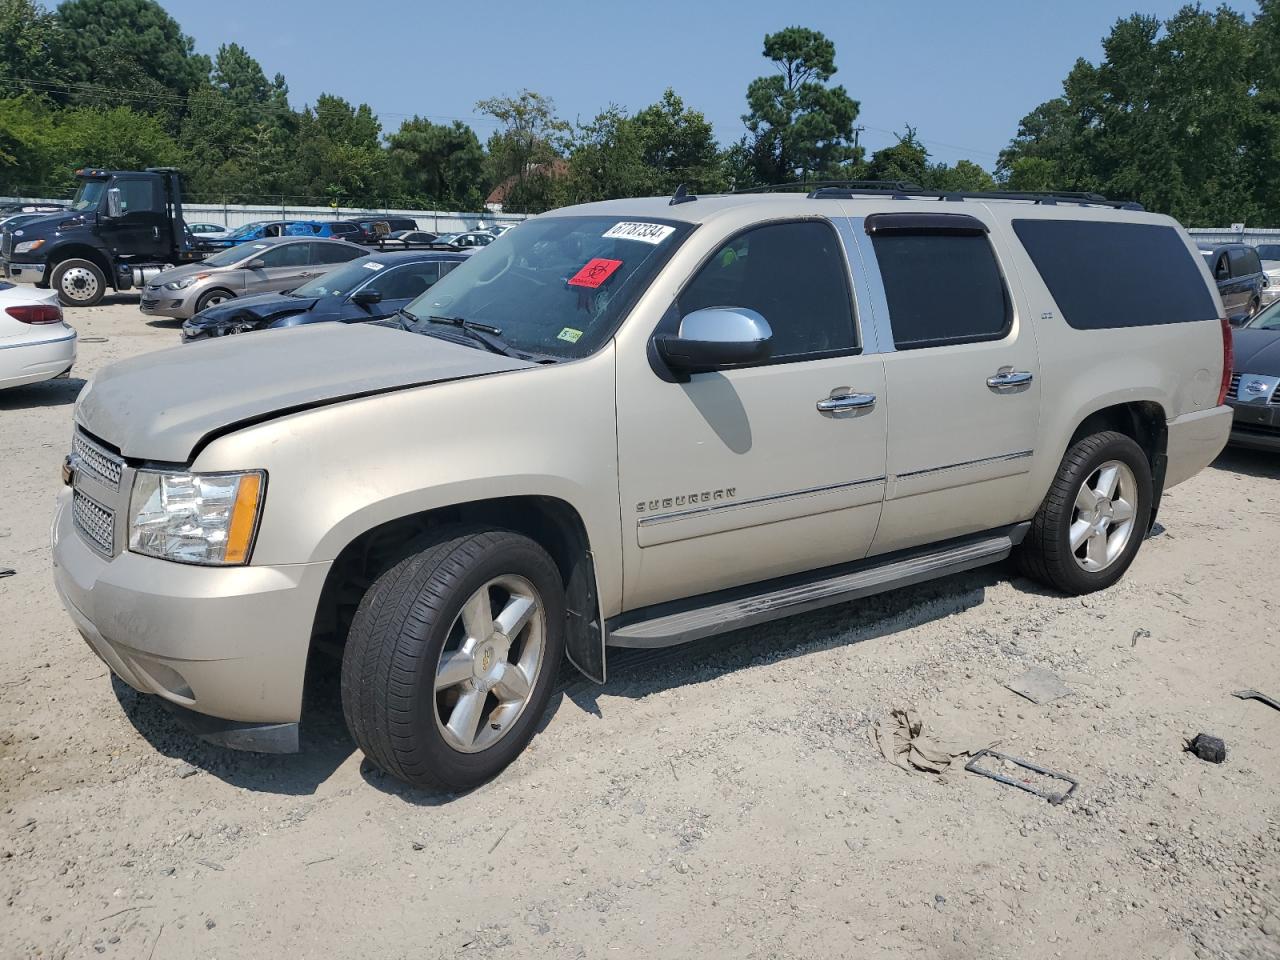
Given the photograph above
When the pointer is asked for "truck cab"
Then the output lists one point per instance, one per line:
(121, 227)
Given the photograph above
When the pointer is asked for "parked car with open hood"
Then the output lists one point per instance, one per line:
(1255, 385)
(35, 342)
(367, 288)
(262, 266)
(634, 423)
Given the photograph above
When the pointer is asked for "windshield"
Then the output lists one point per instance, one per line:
(557, 286)
(225, 258)
(88, 195)
(340, 282)
(248, 230)
(1268, 319)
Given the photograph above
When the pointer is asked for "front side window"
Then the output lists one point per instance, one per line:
(1244, 262)
(137, 196)
(559, 285)
(942, 288)
(792, 274)
(88, 195)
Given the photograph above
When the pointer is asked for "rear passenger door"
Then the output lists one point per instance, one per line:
(962, 378)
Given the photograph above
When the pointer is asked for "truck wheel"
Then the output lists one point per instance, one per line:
(213, 298)
(80, 283)
(1091, 524)
(452, 655)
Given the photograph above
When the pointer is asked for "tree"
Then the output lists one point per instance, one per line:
(1175, 116)
(438, 164)
(132, 50)
(28, 46)
(523, 152)
(798, 126)
(339, 153)
(906, 160)
(965, 176)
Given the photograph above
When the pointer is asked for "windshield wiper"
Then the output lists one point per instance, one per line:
(482, 333)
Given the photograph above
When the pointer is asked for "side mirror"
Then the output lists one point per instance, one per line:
(366, 298)
(1238, 320)
(716, 338)
(258, 264)
(114, 207)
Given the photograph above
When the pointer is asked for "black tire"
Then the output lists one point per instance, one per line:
(208, 296)
(1046, 555)
(80, 283)
(395, 642)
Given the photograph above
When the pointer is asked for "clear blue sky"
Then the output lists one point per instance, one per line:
(962, 73)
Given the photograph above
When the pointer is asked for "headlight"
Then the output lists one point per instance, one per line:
(205, 518)
(28, 246)
(185, 282)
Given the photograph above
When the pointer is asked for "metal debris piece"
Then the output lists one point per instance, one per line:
(1255, 695)
(1208, 747)
(1039, 686)
(1053, 798)
(7, 572)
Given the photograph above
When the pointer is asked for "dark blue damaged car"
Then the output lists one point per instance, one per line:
(361, 290)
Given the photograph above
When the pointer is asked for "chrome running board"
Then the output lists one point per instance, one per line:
(669, 624)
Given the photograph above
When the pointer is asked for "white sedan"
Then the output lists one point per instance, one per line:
(35, 342)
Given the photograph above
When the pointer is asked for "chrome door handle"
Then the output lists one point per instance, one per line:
(1009, 378)
(847, 401)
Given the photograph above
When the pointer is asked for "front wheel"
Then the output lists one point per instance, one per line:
(452, 655)
(1092, 522)
(213, 298)
(80, 283)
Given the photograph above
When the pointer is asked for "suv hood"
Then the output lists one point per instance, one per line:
(160, 406)
(1257, 351)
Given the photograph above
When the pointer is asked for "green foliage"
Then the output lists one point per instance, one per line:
(906, 160)
(28, 46)
(1181, 115)
(438, 165)
(798, 127)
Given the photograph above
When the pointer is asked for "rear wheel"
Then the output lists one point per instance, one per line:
(1091, 524)
(80, 283)
(451, 657)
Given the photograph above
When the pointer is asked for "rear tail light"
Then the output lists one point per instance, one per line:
(37, 313)
(1228, 360)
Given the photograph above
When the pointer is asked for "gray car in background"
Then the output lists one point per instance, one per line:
(262, 266)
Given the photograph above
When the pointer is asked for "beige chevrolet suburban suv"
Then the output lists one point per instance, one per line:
(632, 424)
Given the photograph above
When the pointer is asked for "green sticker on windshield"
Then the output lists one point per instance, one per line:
(570, 334)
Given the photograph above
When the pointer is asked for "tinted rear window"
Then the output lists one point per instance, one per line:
(1117, 274)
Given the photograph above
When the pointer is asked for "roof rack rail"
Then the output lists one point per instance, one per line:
(874, 186)
(914, 192)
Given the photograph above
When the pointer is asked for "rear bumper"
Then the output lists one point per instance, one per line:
(34, 361)
(227, 642)
(1194, 442)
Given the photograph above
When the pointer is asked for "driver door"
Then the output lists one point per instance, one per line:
(739, 475)
(142, 229)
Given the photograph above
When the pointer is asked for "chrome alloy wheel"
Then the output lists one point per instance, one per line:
(489, 664)
(79, 284)
(1104, 517)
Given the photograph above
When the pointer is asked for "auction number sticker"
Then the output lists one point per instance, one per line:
(570, 334)
(373, 265)
(653, 233)
(596, 272)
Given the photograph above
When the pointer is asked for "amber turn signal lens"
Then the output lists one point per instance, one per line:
(244, 517)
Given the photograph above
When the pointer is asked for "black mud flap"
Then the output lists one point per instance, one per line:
(584, 634)
(1159, 464)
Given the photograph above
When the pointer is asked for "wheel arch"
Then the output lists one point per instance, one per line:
(1144, 422)
(551, 522)
(81, 251)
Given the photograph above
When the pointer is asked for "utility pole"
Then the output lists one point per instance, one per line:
(857, 134)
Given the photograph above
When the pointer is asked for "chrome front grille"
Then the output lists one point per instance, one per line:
(6, 243)
(1233, 391)
(102, 465)
(95, 522)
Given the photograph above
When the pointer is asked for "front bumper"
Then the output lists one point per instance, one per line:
(1194, 442)
(20, 272)
(226, 642)
(175, 304)
(1256, 425)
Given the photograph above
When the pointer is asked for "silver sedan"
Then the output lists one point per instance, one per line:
(261, 266)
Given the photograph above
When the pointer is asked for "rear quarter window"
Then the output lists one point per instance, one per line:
(1105, 275)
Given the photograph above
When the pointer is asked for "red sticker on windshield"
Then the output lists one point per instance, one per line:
(596, 272)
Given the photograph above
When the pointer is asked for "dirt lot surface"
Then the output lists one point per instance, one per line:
(718, 800)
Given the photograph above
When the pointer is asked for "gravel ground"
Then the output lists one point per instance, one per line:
(722, 799)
